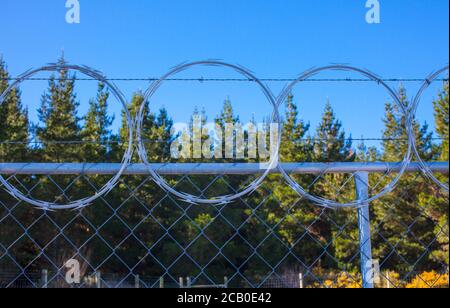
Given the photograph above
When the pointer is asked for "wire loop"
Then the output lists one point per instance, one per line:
(81, 203)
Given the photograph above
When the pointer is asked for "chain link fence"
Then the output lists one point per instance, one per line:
(344, 218)
(140, 236)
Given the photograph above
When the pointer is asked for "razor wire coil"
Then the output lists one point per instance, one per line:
(189, 198)
(415, 104)
(275, 161)
(406, 159)
(81, 203)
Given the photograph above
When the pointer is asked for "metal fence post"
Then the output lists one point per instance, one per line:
(44, 279)
(181, 282)
(98, 280)
(161, 282)
(189, 282)
(136, 282)
(300, 281)
(365, 244)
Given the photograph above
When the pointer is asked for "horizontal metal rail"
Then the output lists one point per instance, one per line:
(209, 168)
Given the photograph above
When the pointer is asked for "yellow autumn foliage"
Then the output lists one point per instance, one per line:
(390, 280)
(429, 280)
(344, 281)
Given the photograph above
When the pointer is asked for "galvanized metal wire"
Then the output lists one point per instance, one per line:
(275, 161)
(251, 187)
(129, 235)
(75, 204)
(239, 240)
(321, 201)
(413, 110)
(205, 79)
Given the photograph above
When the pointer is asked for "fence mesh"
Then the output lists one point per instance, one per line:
(140, 236)
(178, 225)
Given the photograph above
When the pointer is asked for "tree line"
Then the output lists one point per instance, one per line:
(410, 225)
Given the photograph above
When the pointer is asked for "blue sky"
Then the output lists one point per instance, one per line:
(144, 38)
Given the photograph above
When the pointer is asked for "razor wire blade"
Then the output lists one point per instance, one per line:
(275, 162)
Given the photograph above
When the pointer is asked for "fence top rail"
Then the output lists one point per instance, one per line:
(210, 168)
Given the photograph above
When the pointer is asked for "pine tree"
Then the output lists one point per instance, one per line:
(400, 218)
(197, 127)
(156, 130)
(164, 125)
(330, 144)
(58, 113)
(156, 135)
(148, 122)
(96, 133)
(226, 116)
(14, 138)
(14, 124)
(395, 137)
(441, 109)
(367, 154)
(294, 146)
(438, 206)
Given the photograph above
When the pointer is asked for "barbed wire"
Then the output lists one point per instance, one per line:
(201, 79)
(75, 142)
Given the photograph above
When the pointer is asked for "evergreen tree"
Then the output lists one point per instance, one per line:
(442, 122)
(197, 127)
(226, 116)
(156, 135)
(156, 130)
(400, 218)
(330, 143)
(133, 109)
(395, 137)
(14, 124)
(14, 138)
(58, 113)
(96, 133)
(294, 146)
(367, 154)
(438, 206)
(164, 125)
